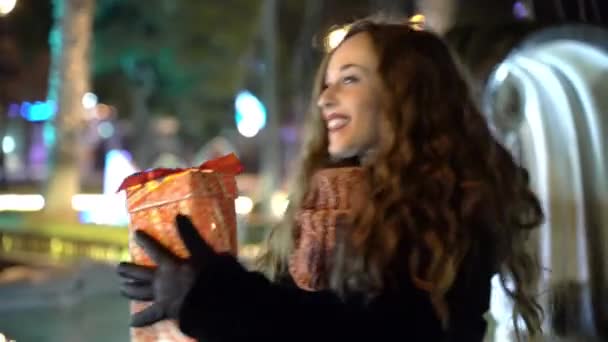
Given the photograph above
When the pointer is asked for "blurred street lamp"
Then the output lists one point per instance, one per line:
(6, 7)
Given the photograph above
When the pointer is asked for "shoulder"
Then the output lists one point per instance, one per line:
(469, 297)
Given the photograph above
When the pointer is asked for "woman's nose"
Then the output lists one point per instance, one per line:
(327, 98)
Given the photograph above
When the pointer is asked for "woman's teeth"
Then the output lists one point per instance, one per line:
(336, 123)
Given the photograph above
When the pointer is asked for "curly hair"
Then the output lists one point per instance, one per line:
(440, 180)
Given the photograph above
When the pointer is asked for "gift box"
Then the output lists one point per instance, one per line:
(206, 194)
(333, 193)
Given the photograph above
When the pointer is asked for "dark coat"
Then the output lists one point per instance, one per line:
(229, 303)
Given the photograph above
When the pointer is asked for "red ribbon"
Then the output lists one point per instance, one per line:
(226, 164)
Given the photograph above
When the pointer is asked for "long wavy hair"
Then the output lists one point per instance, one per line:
(440, 181)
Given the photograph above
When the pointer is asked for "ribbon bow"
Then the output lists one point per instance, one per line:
(226, 164)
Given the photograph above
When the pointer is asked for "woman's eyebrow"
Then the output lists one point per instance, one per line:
(349, 66)
(353, 65)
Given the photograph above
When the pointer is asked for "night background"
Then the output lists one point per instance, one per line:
(92, 91)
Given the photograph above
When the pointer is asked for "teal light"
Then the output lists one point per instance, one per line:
(250, 114)
(48, 134)
(38, 111)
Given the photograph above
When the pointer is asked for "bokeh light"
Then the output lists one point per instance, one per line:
(243, 205)
(6, 7)
(335, 37)
(89, 100)
(8, 144)
(417, 22)
(278, 203)
(250, 115)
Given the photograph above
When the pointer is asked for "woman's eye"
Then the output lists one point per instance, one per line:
(349, 79)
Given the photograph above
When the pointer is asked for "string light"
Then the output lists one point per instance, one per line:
(417, 22)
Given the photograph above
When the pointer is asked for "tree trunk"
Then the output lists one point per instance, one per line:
(143, 80)
(70, 40)
(270, 167)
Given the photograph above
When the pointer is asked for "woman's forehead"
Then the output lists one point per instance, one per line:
(357, 50)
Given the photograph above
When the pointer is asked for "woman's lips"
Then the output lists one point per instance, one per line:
(336, 121)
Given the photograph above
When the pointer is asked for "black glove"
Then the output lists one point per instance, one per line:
(169, 282)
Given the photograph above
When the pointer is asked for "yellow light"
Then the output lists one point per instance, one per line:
(335, 37)
(112, 254)
(125, 255)
(98, 253)
(279, 203)
(7, 243)
(13, 202)
(250, 251)
(243, 205)
(69, 248)
(56, 247)
(6, 6)
(417, 22)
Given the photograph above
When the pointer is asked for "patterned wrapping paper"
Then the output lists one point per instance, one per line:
(207, 196)
(334, 192)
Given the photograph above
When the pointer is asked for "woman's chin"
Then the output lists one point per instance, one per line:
(342, 152)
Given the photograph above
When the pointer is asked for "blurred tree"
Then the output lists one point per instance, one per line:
(23, 41)
(182, 58)
(69, 42)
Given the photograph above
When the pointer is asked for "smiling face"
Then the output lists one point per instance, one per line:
(351, 99)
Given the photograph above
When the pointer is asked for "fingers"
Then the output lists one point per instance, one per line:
(136, 281)
(197, 246)
(153, 248)
(135, 272)
(137, 290)
(150, 315)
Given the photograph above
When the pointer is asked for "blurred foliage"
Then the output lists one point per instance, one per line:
(202, 52)
(194, 49)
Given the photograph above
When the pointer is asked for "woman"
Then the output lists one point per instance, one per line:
(448, 208)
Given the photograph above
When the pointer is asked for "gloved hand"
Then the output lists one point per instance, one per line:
(169, 282)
